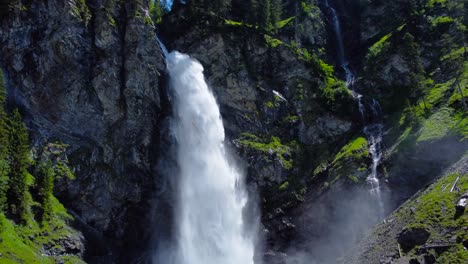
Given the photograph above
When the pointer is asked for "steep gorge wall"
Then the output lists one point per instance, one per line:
(88, 73)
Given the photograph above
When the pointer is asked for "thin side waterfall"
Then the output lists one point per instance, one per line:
(372, 119)
(211, 195)
(340, 51)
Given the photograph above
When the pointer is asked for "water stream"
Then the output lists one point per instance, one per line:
(371, 113)
(211, 196)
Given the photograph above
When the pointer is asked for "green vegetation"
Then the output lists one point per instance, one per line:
(441, 20)
(379, 47)
(437, 125)
(272, 42)
(351, 161)
(434, 210)
(81, 11)
(19, 200)
(272, 147)
(284, 186)
(356, 149)
(433, 3)
(157, 9)
(282, 23)
(2, 89)
(31, 218)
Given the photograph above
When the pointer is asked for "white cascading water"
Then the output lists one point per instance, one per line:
(373, 124)
(211, 194)
(339, 45)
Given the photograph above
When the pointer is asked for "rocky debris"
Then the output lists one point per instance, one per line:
(69, 245)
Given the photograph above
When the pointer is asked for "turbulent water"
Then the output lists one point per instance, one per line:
(211, 196)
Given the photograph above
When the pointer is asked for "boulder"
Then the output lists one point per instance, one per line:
(411, 237)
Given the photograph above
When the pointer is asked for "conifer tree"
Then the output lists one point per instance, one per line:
(45, 176)
(4, 167)
(156, 11)
(3, 91)
(18, 152)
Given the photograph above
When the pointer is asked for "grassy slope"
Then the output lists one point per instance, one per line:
(433, 210)
(26, 243)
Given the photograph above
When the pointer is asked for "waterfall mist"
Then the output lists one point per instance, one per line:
(210, 195)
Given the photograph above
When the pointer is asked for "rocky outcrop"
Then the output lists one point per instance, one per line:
(87, 73)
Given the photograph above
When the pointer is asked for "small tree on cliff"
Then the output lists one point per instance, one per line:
(19, 198)
(45, 175)
(4, 167)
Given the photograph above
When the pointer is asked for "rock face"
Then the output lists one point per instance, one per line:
(88, 73)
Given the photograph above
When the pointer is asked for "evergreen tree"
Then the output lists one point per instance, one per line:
(45, 175)
(18, 152)
(156, 11)
(4, 168)
(3, 91)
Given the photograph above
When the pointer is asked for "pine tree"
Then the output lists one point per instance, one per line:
(3, 91)
(4, 167)
(18, 151)
(45, 175)
(156, 11)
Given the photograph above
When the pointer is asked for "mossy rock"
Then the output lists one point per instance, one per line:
(351, 162)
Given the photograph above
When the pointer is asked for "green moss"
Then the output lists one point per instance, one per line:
(351, 161)
(270, 104)
(356, 149)
(437, 126)
(81, 11)
(283, 186)
(112, 21)
(436, 207)
(234, 23)
(290, 119)
(273, 42)
(274, 146)
(433, 3)
(282, 23)
(456, 255)
(441, 20)
(379, 47)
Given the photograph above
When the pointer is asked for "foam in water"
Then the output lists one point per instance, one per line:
(211, 195)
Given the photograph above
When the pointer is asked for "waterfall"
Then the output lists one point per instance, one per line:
(211, 196)
(373, 127)
(340, 51)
